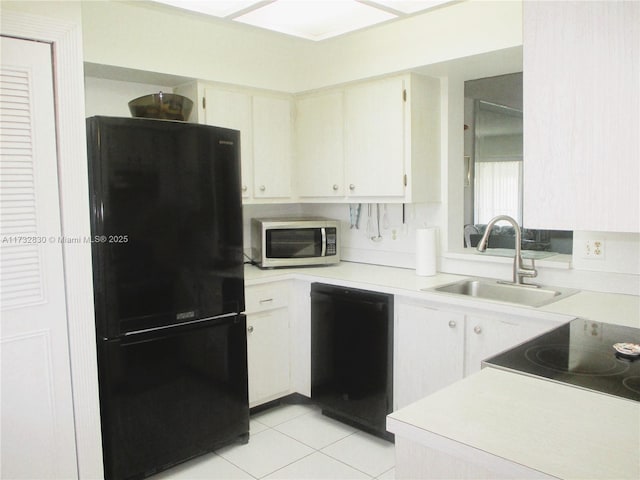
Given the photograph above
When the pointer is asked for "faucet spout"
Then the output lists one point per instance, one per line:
(519, 269)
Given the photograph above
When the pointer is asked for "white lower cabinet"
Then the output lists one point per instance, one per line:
(437, 345)
(268, 340)
(429, 355)
(488, 335)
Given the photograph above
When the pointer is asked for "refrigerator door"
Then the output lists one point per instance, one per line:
(166, 223)
(170, 397)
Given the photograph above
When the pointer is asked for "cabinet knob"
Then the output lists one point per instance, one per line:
(335, 186)
(262, 188)
(452, 323)
(352, 187)
(477, 329)
(250, 329)
(244, 188)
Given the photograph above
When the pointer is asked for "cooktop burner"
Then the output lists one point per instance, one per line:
(579, 353)
(632, 383)
(564, 358)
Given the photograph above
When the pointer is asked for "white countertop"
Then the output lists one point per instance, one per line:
(602, 307)
(562, 431)
(515, 417)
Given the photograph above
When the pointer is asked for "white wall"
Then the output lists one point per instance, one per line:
(133, 35)
(462, 30)
(65, 10)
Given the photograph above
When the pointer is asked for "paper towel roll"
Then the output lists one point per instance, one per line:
(426, 251)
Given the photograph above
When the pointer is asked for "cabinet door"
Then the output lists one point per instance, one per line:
(319, 145)
(581, 122)
(374, 138)
(268, 355)
(228, 109)
(428, 352)
(272, 129)
(488, 336)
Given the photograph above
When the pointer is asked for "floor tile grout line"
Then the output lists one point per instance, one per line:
(237, 466)
(315, 450)
(345, 463)
(318, 450)
(311, 446)
(339, 440)
(287, 465)
(282, 433)
(353, 466)
(285, 421)
(386, 471)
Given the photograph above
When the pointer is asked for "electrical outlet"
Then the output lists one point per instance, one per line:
(593, 249)
(593, 329)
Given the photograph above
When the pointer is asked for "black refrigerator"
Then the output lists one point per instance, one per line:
(166, 224)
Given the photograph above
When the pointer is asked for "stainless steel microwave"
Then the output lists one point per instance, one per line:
(294, 242)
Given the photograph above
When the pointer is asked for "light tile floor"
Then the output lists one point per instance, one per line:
(295, 442)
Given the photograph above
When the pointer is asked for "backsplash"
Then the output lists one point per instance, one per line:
(616, 271)
(396, 245)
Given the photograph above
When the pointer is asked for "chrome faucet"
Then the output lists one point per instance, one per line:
(519, 270)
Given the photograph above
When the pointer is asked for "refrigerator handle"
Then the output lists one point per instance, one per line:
(152, 333)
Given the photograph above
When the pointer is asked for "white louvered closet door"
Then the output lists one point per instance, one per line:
(38, 438)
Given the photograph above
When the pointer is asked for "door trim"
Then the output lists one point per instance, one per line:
(66, 40)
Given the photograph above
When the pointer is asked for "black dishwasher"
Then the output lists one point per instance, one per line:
(352, 356)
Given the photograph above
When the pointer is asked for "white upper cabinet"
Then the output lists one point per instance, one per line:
(375, 141)
(582, 115)
(225, 108)
(319, 145)
(266, 128)
(272, 147)
(374, 138)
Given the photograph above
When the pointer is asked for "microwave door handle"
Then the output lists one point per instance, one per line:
(324, 242)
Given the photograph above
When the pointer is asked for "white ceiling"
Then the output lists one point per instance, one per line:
(310, 19)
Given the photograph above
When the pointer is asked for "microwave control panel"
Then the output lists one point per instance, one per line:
(331, 241)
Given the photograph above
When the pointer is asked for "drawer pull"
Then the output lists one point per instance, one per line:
(266, 300)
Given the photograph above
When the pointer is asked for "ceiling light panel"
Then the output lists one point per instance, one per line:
(216, 8)
(409, 6)
(315, 19)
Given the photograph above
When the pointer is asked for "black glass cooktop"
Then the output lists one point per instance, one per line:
(579, 353)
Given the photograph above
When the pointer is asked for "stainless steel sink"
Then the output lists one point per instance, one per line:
(493, 290)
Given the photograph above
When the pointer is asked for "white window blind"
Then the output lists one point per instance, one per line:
(497, 190)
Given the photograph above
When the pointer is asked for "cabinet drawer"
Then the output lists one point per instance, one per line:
(266, 297)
